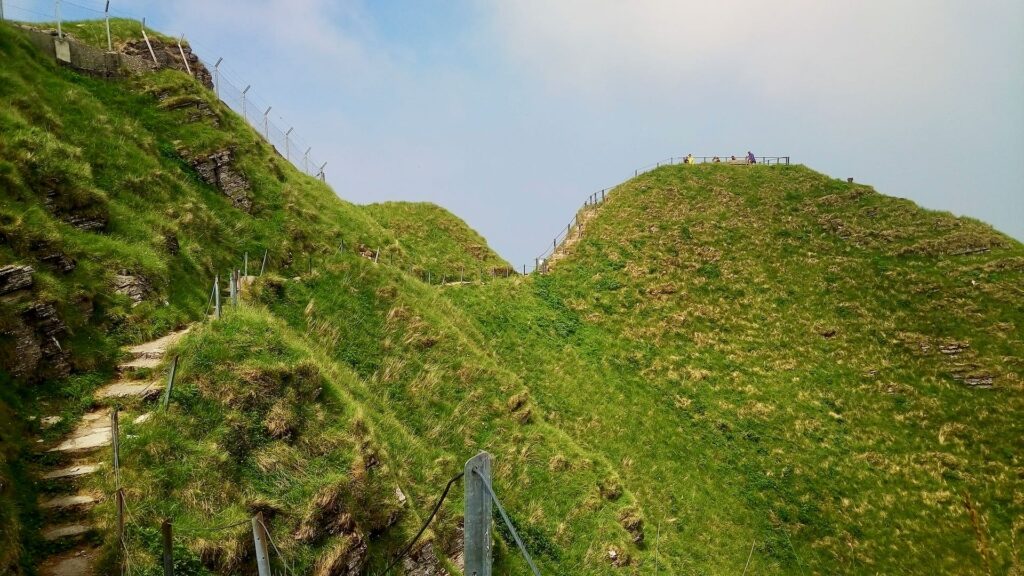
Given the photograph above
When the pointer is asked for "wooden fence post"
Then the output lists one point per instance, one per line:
(259, 537)
(165, 532)
(477, 524)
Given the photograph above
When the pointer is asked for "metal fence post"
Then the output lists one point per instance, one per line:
(266, 124)
(264, 264)
(150, 46)
(119, 498)
(477, 525)
(170, 382)
(106, 21)
(115, 445)
(245, 264)
(288, 144)
(60, 31)
(216, 295)
(259, 537)
(216, 77)
(165, 532)
(244, 114)
(183, 59)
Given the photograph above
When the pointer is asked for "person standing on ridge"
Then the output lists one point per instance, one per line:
(689, 159)
(750, 158)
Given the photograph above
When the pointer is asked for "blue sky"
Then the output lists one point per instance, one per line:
(511, 113)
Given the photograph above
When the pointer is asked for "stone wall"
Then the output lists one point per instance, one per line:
(134, 57)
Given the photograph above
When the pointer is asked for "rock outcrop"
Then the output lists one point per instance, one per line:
(217, 169)
(37, 350)
(169, 56)
(132, 286)
(14, 277)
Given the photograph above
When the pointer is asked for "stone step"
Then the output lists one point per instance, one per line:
(138, 363)
(71, 471)
(144, 390)
(75, 562)
(156, 348)
(54, 533)
(69, 502)
(92, 432)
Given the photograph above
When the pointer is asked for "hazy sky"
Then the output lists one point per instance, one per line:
(509, 113)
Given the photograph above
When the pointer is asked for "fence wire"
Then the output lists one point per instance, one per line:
(228, 84)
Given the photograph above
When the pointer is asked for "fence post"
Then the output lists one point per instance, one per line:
(264, 264)
(60, 31)
(259, 537)
(216, 295)
(180, 51)
(216, 77)
(245, 116)
(266, 124)
(106, 21)
(477, 525)
(234, 288)
(245, 265)
(115, 445)
(288, 144)
(165, 532)
(150, 46)
(170, 382)
(305, 160)
(376, 255)
(119, 498)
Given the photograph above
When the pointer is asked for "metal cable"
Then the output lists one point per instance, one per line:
(408, 547)
(511, 528)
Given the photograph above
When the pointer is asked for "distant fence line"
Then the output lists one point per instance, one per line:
(575, 226)
(233, 92)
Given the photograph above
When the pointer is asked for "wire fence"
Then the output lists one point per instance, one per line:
(578, 220)
(229, 85)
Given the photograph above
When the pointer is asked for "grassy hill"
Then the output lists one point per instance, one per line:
(729, 359)
(771, 356)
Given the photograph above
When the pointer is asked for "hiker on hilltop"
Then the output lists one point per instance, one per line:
(689, 159)
(750, 158)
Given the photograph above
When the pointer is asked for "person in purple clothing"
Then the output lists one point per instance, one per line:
(750, 158)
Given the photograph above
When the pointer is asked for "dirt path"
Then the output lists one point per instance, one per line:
(67, 506)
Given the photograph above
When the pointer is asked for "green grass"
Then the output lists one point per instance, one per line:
(730, 356)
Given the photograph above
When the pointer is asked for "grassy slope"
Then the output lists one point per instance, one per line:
(758, 352)
(380, 347)
(446, 244)
(674, 370)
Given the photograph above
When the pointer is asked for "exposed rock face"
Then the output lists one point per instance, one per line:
(423, 562)
(15, 277)
(134, 287)
(38, 353)
(217, 170)
(59, 260)
(89, 216)
(169, 56)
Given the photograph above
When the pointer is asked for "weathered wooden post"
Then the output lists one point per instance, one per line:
(170, 382)
(165, 532)
(477, 534)
(259, 536)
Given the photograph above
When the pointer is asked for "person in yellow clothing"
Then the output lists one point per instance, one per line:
(690, 159)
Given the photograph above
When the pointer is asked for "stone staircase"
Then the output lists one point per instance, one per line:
(69, 463)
